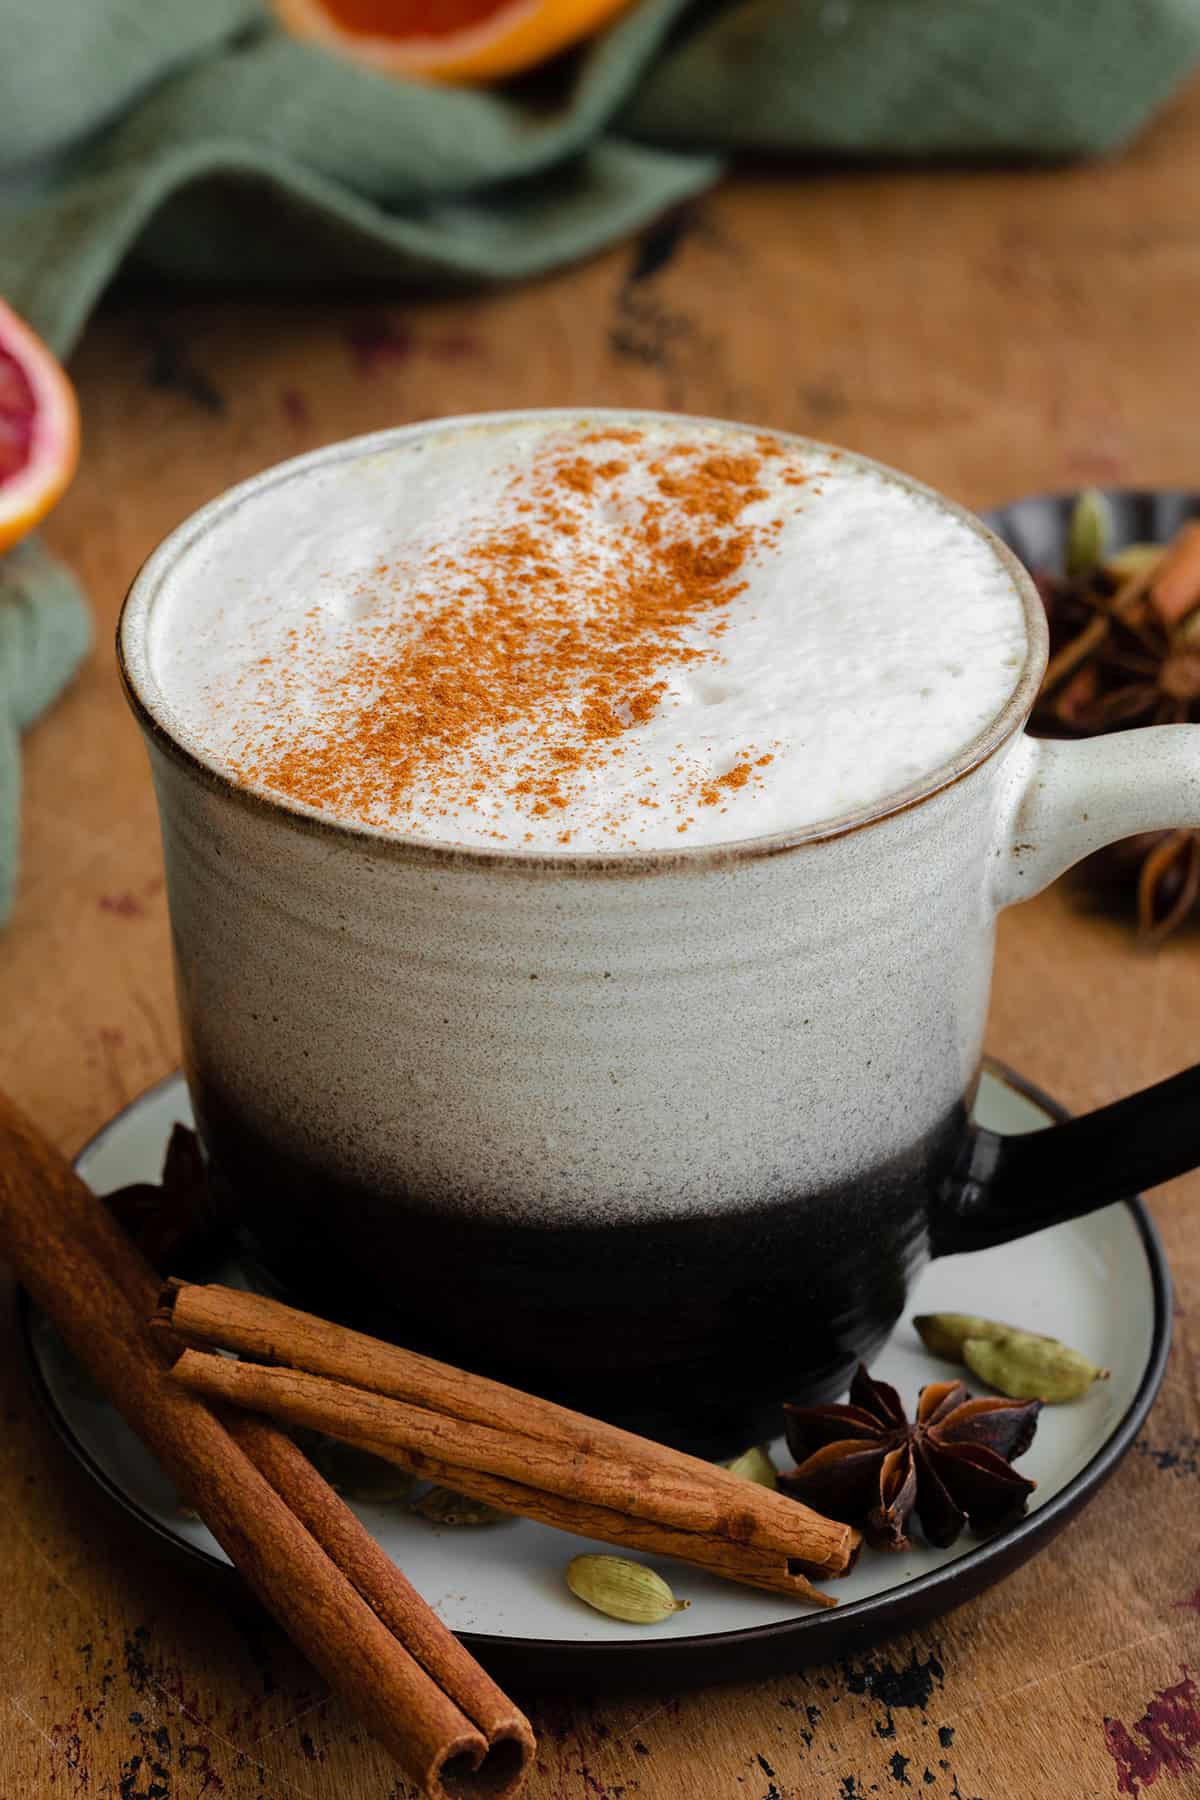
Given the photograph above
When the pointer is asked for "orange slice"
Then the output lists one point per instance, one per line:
(447, 40)
(39, 429)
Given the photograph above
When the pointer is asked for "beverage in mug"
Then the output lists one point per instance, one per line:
(583, 837)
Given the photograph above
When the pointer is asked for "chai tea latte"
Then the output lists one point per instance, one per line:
(570, 986)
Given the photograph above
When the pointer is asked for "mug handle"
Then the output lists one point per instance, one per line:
(1063, 800)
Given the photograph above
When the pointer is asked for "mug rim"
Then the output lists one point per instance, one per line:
(148, 705)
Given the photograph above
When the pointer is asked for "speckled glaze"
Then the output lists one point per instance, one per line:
(660, 1125)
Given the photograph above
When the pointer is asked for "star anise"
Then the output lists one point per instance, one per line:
(178, 1219)
(1125, 650)
(867, 1464)
(1161, 869)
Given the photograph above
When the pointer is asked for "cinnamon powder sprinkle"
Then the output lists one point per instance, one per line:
(529, 659)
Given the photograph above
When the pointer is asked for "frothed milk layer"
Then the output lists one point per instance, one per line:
(584, 635)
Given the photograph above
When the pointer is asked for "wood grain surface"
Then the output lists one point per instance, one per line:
(993, 332)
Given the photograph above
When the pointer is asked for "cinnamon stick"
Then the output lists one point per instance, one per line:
(1175, 590)
(349, 1544)
(332, 1523)
(765, 1569)
(660, 1484)
(608, 1487)
(89, 1280)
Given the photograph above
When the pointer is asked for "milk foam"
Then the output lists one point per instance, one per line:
(876, 635)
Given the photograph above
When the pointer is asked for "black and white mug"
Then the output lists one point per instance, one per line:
(667, 1135)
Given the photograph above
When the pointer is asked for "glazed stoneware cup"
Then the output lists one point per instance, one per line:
(665, 1134)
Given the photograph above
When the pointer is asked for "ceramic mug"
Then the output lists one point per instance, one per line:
(668, 1133)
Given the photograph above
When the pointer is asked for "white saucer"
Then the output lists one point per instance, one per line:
(1099, 1283)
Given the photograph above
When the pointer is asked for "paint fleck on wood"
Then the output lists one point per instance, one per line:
(657, 247)
(171, 368)
(911, 1685)
(1181, 1459)
(647, 331)
(123, 905)
(294, 407)
(644, 328)
(1161, 1742)
(378, 339)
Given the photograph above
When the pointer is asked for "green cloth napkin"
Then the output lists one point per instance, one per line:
(44, 634)
(192, 140)
(199, 142)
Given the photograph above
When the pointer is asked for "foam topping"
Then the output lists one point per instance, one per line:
(564, 635)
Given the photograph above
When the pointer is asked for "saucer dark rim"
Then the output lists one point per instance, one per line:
(811, 1637)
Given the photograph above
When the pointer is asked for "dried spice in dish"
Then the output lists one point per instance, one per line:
(869, 1465)
(1125, 651)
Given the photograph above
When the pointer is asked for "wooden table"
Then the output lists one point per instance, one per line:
(994, 333)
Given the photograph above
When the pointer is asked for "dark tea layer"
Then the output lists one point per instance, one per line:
(693, 1329)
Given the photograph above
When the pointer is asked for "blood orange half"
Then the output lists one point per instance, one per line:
(447, 40)
(39, 429)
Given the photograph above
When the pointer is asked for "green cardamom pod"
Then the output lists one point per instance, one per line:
(442, 1506)
(755, 1465)
(623, 1590)
(1089, 532)
(1025, 1367)
(944, 1334)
